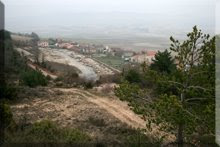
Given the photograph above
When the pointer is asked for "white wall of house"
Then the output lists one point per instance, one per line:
(142, 58)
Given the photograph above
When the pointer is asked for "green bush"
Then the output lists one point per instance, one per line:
(33, 78)
(139, 139)
(74, 136)
(163, 62)
(59, 79)
(46, 132)
(70, 79)
(133, 76)
(8, 92)
(5, 115)
(97, 122)
(88, 85)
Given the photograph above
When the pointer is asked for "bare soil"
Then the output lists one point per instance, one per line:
(103, 118)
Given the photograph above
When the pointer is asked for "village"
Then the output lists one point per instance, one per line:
(91, 62)
(101, 51)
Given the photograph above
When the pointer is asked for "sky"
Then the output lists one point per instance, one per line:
(169, 15)
(217, 17)
(154, 6)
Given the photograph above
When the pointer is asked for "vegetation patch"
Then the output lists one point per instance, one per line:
(33, 78)
(45, 132)
(97, 122)
(113, 61)
(182, 101)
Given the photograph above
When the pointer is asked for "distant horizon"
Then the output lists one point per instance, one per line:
(130, 22)
(180, 15)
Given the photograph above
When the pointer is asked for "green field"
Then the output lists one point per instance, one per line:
(113, 61)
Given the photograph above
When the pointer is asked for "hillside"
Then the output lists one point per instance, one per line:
(103, 118)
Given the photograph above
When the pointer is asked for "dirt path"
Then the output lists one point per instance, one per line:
(120, 110)
(117, 108)
(99, 116)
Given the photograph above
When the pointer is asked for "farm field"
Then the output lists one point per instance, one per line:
(113, 61)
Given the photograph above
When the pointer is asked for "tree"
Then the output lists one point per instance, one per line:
(35, 37)
(5, 46)
(185, 105)
(34, 44)
(5, 113)
(33, 78)
(133, 76)
(2, 61)
(193, 108)
(163, 62)
(6, 118)
(217, 85)
(51, 41)
(144, 66)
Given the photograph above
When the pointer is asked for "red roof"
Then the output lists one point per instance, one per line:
(151, 53)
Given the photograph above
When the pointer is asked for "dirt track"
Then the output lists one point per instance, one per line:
(117, 108)
(98, 116)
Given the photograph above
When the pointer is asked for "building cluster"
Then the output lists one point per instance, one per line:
(43, 44)
(140, 57)
(57, 44)
(147, 57)
(90, 49)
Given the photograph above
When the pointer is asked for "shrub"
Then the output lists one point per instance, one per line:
(58, 79)
(6, 115)
(48, 78)
(74, 135)
(70, 79)
(97, 122)
(88, 85)
(74, 75)
(163, 62)
(139, 139)
(46, 132)
(33, 78)
(115, 78)
(107, 89)
(8, 92)
(133, 76)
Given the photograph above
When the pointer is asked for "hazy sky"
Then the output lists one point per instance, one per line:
(148, 6)
(177, 14)
(217, 17)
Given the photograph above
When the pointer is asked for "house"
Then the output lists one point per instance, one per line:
(117, 52)
(75, 44)
(65, 45)
(151, 53)
(43, 44)
(140, 58)
(127, 55)
(108, 49)
(105, 50)
(144, 57)
(92, 50)
(88, 49)
(76, 49)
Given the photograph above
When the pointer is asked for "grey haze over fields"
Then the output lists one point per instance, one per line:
(132, 24)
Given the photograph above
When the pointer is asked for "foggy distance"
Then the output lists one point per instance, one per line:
(125, 23)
